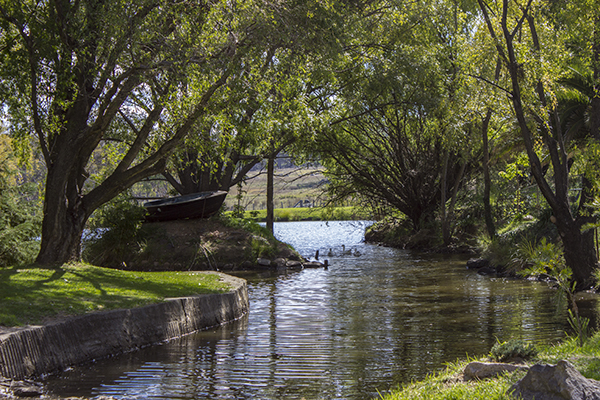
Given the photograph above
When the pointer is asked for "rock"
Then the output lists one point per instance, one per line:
(26, 389)
(556, 382)
(487, 271)
(478, 263)
(292, 264)
(313, 264)
(280, 262)
(481, 370)
(263, 262)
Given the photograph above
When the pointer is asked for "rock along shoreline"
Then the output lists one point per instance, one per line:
(34, 351)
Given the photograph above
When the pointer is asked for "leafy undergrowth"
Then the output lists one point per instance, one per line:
(31, 295)
(449, 384)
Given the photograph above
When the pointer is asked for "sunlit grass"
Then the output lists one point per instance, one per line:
(449, 384)
(29, 295)
(311, 214)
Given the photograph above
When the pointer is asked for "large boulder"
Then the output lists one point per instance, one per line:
(556, 382)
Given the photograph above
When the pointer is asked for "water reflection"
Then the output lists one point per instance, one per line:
(368, 323)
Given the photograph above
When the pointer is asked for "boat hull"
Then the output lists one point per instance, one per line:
(197, 205)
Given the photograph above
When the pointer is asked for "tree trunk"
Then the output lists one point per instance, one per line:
(445, 220)
(270, 173)
(580, 253)
(64, 218)
(487, 182)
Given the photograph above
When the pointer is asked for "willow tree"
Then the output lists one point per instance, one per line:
(534, 55)
(131, 75)
(397, 133)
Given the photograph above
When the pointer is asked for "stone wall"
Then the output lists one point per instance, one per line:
(45, 349)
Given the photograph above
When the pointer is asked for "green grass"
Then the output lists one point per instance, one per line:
(311, 214)
(29, 295)
(449, 385)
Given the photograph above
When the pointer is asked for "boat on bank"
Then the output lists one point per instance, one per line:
(196, 205)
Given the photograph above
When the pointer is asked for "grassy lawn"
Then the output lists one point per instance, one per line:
(311, 214)
(29, 295)
(448, 385)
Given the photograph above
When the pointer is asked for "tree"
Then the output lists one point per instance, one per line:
(19, 224)
(132, 76)
(531, 57)
(396, 132)
(92, 71)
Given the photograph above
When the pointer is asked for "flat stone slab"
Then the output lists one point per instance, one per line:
(482, 370)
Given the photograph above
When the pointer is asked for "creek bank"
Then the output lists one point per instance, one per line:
(194, 244)
(394, 234)
(38, 350)
(542, 381)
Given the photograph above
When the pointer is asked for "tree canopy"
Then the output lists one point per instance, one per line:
(409, 104)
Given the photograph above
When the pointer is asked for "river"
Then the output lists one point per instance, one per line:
(375, 319)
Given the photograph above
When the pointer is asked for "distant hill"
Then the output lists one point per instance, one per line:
(293, 186)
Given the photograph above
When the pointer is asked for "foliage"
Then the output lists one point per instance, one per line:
(19, 218)
(513, 349)
(262, 244)
(448, 385)
(134, 90)
(546, 258)
(30, 295)
(533, 43)
(115, 229)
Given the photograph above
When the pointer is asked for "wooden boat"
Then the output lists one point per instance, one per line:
(196, 205)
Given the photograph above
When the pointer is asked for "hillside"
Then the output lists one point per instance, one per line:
(292, 185)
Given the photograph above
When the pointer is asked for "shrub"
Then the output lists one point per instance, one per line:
(19, 216)
(114, 229)
(513, 349)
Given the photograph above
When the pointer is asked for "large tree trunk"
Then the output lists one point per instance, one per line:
(62, 228)
(64, 212)
(579, 252)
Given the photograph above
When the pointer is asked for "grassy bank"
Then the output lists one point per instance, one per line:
(449, 384)
(311, 214)
(31, 295)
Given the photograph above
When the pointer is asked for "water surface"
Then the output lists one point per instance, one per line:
(376, 318)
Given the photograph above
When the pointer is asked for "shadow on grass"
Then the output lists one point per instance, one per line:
(30, 296)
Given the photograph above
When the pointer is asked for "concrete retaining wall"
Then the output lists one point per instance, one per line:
(45, 349)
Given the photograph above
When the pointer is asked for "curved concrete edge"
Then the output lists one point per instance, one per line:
(46, 349)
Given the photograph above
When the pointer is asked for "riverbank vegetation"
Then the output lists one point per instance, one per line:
(349, 213)
(450, 383)
(31, 295)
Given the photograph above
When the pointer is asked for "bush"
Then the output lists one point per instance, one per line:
(19, 220)
(513, 349)
(114, 229)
